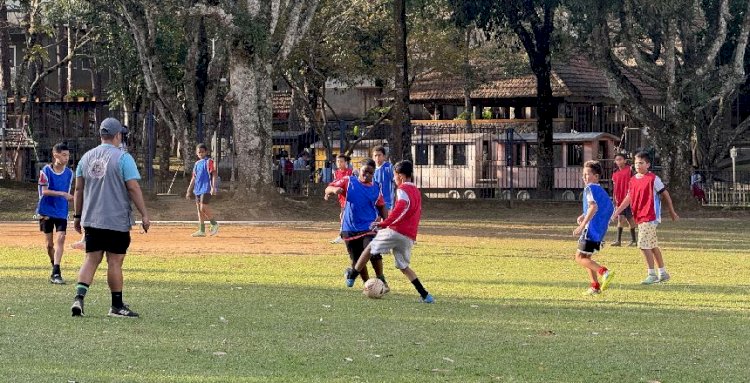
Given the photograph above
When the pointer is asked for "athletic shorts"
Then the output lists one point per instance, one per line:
(627, 213)
(587, 247)
(387, 240)
(355, 247)
(47, 224)
(647, 235)
(111, 241)
(204, 198)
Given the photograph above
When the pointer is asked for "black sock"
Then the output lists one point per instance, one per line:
(81, 289)
(117, 299)
(420, 289)
(382, 278)
(619, 234)
(56, 270)
(632, 234)
(353, 273)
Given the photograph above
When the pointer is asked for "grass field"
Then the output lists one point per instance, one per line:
(268, 304)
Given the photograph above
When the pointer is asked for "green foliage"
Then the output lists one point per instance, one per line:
(252, 32)
(75, 93)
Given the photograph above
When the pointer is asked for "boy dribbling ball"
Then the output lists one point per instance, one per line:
(203, 185)
(592, 227)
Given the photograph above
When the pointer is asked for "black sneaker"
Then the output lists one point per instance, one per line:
(56, 279)
(122, 312)
(77, 308)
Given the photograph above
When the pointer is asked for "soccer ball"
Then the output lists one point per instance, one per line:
(374, 288)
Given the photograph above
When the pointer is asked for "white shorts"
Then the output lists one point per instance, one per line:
(387, 240)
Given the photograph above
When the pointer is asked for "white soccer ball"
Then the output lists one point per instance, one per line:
(374, 288)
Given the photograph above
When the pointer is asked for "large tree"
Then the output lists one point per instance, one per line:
(687, 51)
(533, 24)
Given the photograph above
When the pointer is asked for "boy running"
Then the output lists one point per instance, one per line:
(55, 182)
(203, 185)
(592, 227)
(399, 231)
(621, 180)
(363, 204)
(384, 175)
(643, 197)
(342, 170)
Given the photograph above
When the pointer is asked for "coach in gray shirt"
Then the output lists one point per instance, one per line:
(106, 184)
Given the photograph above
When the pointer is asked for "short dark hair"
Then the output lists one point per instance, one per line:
(202, 146)
(379, 148)
(624, 157)
(60, 147)
(644, 156)
(344, 157)
(595, 167)
(368, 162)
(404, 167)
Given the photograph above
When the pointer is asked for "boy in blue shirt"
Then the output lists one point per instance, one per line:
(55, 181)
(203, 185)
(384, 175)
(592, 227)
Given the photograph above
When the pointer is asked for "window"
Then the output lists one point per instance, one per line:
(557, 156)
(422, 155)
(575, 155)
(459, 154)
(440, 154)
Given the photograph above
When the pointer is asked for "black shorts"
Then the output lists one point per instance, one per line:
(627, 213)
(204, 198)
(588, 247)
(355, 247)
(111, 241)
(48, 224)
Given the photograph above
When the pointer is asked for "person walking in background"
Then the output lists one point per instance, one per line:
(55, 181)
(106, 185)
(203, 185)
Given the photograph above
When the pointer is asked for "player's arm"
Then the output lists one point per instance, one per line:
(331, 190)
(214, 175)
(54, 193)
(624, 205)
(668, 201)
(399, 210)
(190, 186)
(380, 205)
(134, 190)
(78, 203)
(587, 218)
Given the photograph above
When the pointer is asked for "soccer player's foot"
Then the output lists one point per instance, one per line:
(607, 279)
(77, 307)
(592, 291)
(386, 289)
(214, 229)
(122, 312)
(80, 245)
(632, 244)
(650, 280)
(616, 244)
(198, 233)
(427, 299)
(664, 277)
(56, 279)
(337, 240)
(348, 275)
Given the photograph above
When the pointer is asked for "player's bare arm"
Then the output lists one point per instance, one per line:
(624, 205)
(78, 204)
(589, 216)
(668, 201)
(331, 190)
(134, 190)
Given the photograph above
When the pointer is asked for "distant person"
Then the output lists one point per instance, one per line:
(301, 162)
(106, 185)
(592, 227)
(696, 187)
(398, 232)
(621, 179)
(384, 174)
(363, 205)
(343, 169)
(645, 195)
(55, 182)
(203, 185)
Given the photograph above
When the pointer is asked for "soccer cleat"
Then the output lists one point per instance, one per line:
(337, 240)
(616, 244)
(663, 278)
(632, 244)
(592, 291)
(428, 299)
(77, 307)
(650, 280)
(214, 230)
(122, 312)
(607, 279)
(56, 279)
(349, 279)
(198, 233)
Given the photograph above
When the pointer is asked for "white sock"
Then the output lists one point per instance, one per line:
(662, 270)
(651, 272)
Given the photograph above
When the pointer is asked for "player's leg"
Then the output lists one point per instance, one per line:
(402, 258)
(583, 258)
(46, 227)
(647, 242)
(202, 225)
(91, 261)
(120, 241)
(661, 267)
(632, 225)
(359, 266)
(355, 248)
(59, 247)
(208, 214)
(620, 220)
(377, 263)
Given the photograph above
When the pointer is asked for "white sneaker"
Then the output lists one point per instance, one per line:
(650, 280)
(664, 278)
(337, 240)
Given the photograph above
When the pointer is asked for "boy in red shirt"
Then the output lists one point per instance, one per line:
(645, 193)
(342, 170)
(398, 231)
(621, 179)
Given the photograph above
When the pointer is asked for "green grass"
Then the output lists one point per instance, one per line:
(509, 309)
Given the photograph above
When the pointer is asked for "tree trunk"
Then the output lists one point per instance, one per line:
(250, 94)
(164, 143)
(545, 114)
(62, 72)
(5, 52)
(400, 137)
